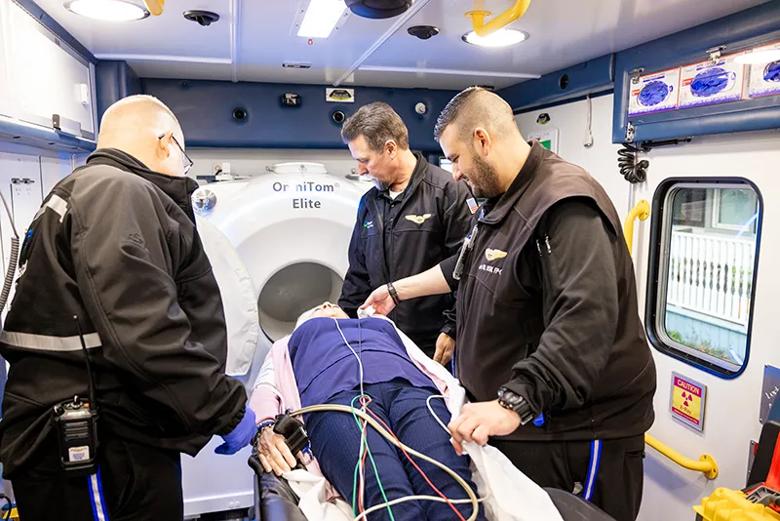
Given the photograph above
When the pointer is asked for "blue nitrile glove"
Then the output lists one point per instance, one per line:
(239, 437)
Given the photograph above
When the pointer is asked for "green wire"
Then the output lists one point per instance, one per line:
(373, 465)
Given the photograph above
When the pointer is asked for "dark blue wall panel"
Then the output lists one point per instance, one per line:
(743, 29)
(114, 80)
(205, 109)
(580, 80)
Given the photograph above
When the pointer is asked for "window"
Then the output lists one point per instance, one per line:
(703, 271)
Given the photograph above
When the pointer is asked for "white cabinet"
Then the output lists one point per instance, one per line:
(43, 76)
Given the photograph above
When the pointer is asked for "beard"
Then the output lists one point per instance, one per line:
(484, 179)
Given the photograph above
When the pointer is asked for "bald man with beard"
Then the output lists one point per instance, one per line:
(116, 289)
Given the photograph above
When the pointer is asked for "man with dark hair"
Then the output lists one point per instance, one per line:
(548, 325)
(415, 217)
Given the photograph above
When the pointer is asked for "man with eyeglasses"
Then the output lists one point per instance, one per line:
(117, 316)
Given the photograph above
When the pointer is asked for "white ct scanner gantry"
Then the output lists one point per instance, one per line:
(278, 246)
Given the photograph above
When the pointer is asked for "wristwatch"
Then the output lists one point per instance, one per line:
(514, 402)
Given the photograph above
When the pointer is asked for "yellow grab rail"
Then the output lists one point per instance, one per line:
(706, 464)
(641, 211)
(155, 6)
(507, 17)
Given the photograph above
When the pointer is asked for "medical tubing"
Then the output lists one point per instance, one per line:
(373, 464)
(472, 497)
(417, 467)
(633, 171)
(436, 416)
(9, 273)
(415, 498)
(13, 260)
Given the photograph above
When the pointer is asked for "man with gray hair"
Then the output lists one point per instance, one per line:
(116, 335)
(551, 349)
(415, 217)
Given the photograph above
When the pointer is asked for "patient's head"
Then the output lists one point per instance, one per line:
(326, 309)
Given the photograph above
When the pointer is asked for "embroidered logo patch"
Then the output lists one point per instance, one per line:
(491, 254)
(418, 219)
(368, 225)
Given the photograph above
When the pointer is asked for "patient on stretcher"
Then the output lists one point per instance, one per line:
(321, 363)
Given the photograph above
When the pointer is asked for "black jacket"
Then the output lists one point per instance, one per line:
(393, 239)
(547, 306)
(115, 244)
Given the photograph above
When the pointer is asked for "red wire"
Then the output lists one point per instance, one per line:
(423, 474)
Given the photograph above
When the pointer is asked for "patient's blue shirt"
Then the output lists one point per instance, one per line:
(324, 365)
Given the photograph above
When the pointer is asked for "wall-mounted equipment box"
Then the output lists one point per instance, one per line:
(721, 76)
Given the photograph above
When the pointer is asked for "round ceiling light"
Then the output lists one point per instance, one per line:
(108, 10)
(501, 38)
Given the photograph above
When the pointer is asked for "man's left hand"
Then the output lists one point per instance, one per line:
(478, 421)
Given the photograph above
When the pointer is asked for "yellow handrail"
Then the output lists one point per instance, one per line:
(706, 464)
(641, 211)
(501, 20)
(155, 6)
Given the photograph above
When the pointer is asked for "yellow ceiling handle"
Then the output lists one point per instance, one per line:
(507, 17)
(155, 6)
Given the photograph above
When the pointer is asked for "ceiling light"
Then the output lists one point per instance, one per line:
(321, 17)
(501, 38)
(108, 10)
(758, 57)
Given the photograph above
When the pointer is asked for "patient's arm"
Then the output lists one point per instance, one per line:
(266, 401)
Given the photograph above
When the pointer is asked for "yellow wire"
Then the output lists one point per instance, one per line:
(381, 430)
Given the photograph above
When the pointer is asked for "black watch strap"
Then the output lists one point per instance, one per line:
(514, 402)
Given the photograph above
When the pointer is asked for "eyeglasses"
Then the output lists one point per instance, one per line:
(185, 159)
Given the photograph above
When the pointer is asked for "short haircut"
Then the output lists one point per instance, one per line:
(378, 123)
(473, 107)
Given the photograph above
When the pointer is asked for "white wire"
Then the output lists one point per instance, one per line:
(415, 498)
(389, 437)
(588, 142)
(364, 427)
(435, 416)
(364, 436)
(360, 362)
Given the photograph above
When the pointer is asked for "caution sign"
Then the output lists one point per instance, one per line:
(688, 400)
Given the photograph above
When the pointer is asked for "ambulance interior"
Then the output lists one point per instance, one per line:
(673, 106)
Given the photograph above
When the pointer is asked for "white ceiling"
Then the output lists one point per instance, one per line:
(254, 37)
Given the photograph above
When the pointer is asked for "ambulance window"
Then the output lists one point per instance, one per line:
(706, 236)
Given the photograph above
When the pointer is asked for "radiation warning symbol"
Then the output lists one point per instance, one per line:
(688, 399)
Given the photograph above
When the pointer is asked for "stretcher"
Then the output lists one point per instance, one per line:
(276, 501)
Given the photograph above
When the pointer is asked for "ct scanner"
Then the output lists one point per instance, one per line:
(278, 246)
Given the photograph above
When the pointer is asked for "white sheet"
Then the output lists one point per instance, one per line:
(511, 495)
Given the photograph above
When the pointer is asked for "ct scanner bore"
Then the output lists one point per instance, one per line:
(293, 290)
